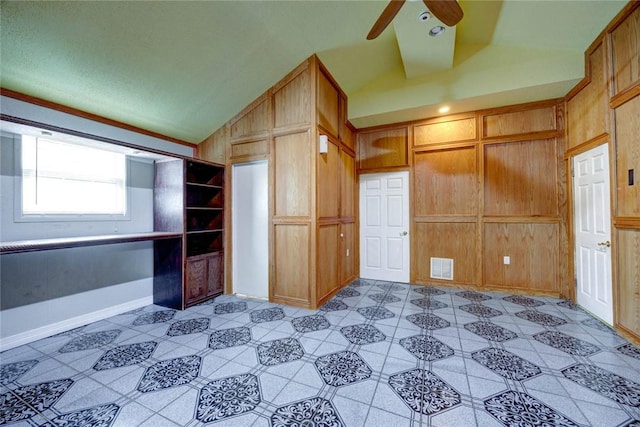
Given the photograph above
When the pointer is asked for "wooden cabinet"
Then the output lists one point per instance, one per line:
(203, 277)
(189, 198)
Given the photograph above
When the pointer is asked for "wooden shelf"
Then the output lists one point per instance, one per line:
(76, 242)
(198, 184)
(189, 195)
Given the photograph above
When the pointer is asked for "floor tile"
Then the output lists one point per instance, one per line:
(378, 354)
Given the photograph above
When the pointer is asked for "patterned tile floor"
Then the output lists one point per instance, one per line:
(378, 354)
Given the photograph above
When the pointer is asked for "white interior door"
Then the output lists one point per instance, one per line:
(592, 220)
(384, 226)
(250, 225)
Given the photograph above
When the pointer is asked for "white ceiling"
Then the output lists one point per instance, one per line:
(183, 68)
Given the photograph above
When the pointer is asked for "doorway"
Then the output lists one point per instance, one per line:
(250, 225)
(592, 230)
(384, 226)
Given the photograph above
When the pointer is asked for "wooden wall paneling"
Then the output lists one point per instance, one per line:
(250, 149)
(214, 148)
(254, 120)
(292, 164)
(625, 43)
(533, 249)
(628, 301)
(455, 240)
(347, 252)
(328, 260)
(328, 108)
(521, 122)
(587, 110)
(521, 178)
(292, 101)
(444, 130)
(328, 183)
(627, 124)
(348, 187)
(348, 136)
(291, 264)
(565, 284)
(383, 148)
(445, 182)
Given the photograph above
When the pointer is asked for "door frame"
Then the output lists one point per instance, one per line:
(234, 227)
(407, 175)
(569, 163)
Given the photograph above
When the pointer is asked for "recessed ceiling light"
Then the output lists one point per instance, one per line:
(437, 31)
(444, 109)
(424, 16)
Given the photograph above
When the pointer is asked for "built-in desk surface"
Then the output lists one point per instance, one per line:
(75, 242)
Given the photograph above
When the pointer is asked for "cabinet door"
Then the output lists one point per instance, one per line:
(215, 277)
(196, 280)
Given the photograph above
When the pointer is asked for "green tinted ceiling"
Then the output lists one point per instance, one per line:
(183, 68)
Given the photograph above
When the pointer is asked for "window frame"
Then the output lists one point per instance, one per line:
(21, 216)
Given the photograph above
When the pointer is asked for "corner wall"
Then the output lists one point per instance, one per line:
(484, 185)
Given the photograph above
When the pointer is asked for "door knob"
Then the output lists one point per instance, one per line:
(606, 244)
(403, 233)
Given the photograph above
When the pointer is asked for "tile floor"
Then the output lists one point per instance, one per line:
(378, 354)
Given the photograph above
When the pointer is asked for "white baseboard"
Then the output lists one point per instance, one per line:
(7, 343)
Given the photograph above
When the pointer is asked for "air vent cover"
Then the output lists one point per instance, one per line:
(442, 268)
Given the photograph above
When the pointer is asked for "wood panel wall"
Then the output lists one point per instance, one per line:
(336, 194)
(624, 37)
(312, 206)
(605, 109)
(588, 103)
(484, 185)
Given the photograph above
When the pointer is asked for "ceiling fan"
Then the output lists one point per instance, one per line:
(447, 11)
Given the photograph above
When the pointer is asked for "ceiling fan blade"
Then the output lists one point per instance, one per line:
(447, 11)
(385, 18)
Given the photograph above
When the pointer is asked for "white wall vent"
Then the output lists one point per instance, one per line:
(442, 268)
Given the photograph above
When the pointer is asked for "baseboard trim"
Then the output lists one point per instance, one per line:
(74, 322)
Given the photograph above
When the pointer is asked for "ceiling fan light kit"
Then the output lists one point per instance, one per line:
(436, 31)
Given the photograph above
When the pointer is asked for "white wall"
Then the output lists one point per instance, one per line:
(22, 325)
(47, 292)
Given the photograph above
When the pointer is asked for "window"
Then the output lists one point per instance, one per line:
(61, 178)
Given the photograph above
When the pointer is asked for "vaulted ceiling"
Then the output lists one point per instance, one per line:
(183, 68)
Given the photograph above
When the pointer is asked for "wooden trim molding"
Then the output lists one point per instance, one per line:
(90, 116)
(587, 145)
(587, 67)
(632, 223)
(624, 96)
